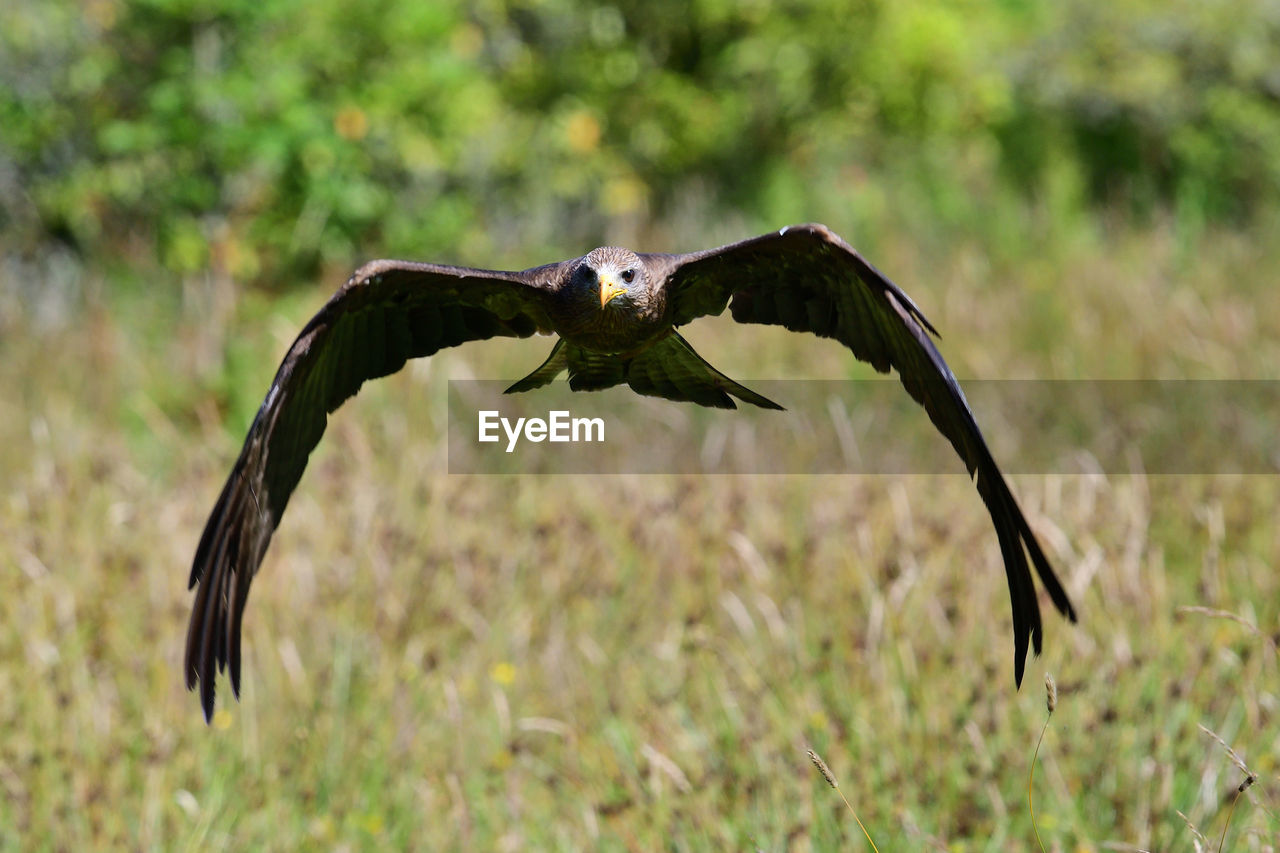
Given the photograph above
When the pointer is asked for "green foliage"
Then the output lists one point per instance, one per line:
(1161, 101)
(257, 137)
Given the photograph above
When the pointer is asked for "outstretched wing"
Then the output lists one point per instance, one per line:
(809, 280)
(387, 313)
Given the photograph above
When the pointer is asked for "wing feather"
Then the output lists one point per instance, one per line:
(809, 280)
(387, 313)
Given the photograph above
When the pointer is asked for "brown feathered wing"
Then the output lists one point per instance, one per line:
(387, 313)
(809, 280)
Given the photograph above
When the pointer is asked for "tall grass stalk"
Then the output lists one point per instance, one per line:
(1051, 702)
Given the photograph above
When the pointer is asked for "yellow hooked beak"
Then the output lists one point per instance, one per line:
(609, 289)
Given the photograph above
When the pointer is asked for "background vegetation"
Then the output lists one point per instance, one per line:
(1068, 190)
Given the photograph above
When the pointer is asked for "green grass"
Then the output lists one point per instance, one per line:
(633, 663)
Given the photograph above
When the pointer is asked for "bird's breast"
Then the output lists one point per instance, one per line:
(612, 329)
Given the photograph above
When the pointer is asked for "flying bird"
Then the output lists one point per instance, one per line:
(616, 313)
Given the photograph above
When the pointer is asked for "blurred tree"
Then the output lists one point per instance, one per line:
(266, 138)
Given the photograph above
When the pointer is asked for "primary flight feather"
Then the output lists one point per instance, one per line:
(616, 313)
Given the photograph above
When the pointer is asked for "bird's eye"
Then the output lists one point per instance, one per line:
(628, 275)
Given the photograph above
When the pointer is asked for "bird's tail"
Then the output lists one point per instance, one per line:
(546, 372)
(668, 368)
(671, 369)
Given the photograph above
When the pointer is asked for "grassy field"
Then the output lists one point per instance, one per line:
(437, 661)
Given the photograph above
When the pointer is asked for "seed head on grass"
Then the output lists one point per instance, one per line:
(1249, 778)
(831, 780)
(1240, 789)
(1050, 702)
(823, 769)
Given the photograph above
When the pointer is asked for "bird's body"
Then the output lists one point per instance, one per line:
(616, 314)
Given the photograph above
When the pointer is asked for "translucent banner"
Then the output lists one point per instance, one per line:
(871, 427)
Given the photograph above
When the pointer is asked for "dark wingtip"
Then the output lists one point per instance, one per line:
(755, 398)
(520, 386)
(1022, 653)
(200, 673)
(206, 697)
(233, 667)
(1021, 650)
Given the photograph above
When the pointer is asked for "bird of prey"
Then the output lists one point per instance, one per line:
(616, 313)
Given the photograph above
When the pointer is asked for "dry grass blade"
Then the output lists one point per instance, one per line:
(1214, 613)
(831, 780)
(1231, 753)
(1199, 841)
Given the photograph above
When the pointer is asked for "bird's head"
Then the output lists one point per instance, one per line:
(616, 276)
